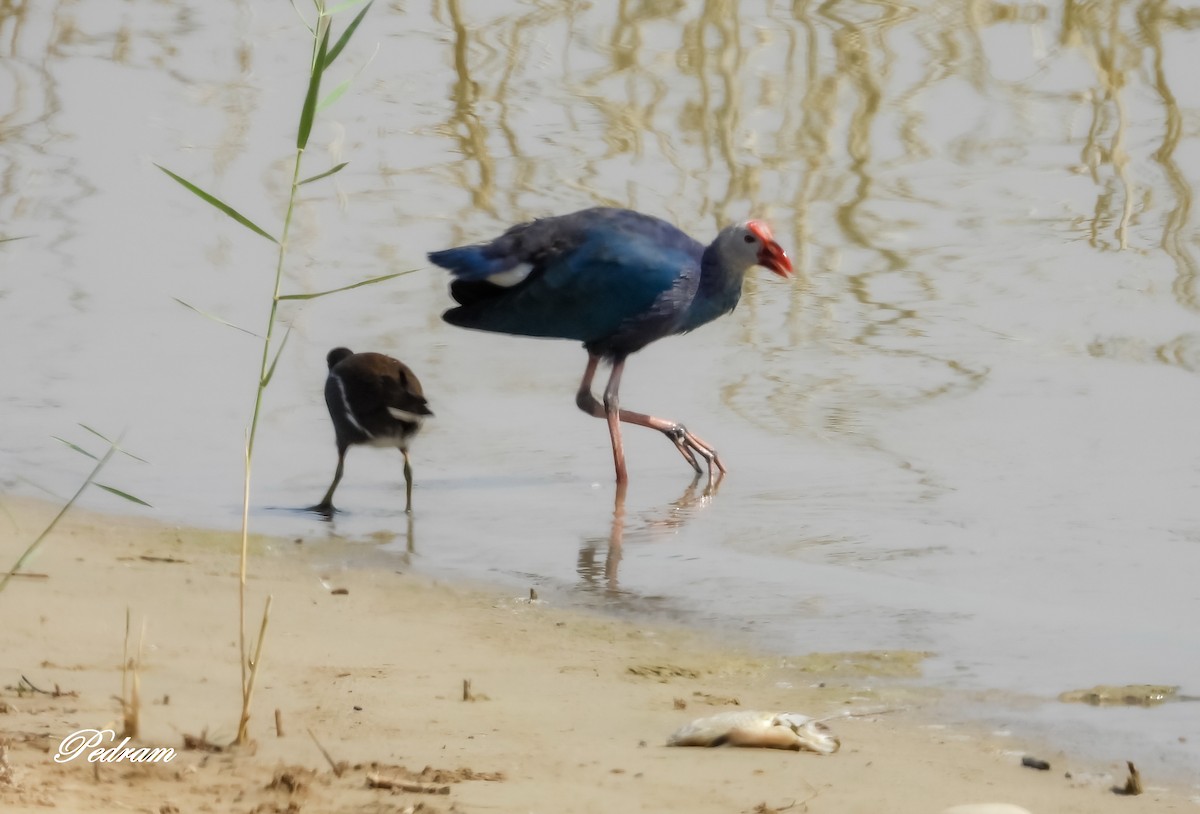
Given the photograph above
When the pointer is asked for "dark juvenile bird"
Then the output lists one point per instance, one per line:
(615, 280)
(376, 400)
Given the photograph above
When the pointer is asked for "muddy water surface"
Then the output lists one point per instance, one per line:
(969, 427)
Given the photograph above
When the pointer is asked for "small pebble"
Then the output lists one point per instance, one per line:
(1034, 763)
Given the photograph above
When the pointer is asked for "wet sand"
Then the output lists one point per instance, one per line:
(570, 712)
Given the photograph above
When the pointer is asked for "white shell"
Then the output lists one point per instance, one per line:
(986, 808)
(773, 730)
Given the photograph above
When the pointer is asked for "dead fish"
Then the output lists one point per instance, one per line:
(771, 730)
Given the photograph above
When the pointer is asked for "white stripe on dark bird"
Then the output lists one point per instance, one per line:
(374, 400)
(615, 280)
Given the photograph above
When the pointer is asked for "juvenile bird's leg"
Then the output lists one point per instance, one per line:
(326, 504)
(689, 445)
(407, 481)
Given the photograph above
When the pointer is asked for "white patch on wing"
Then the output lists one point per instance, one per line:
(513, 276)
(404, 415)
(347, 409)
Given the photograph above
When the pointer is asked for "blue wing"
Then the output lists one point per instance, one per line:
(603, 275)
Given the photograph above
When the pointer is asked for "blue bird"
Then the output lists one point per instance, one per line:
(615, 280)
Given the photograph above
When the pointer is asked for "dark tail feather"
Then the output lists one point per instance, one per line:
(469, 292)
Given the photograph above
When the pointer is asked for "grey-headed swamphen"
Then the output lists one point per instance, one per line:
(615, 280)
(375, 400)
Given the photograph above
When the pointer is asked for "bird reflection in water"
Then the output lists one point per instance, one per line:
(600, 575)
(386, 540)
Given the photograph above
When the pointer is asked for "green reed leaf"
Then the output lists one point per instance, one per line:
(37, 542)
(325, 174)
(335, 94)
(112, 443)
(339, 8)
(219, 204)
(125, 495)
(300, 14)
(215, 318)
(99, 435)
(11, 239)
(359, 284)
(314, 89)
(350, 29)
(271, 370)
(75, 447)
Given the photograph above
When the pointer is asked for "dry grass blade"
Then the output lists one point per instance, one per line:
(377, 781)
(201, 743)
(131, 697)
(1133, 783)
(337, 767)
(219, 204)
(6, 771)
(248, 686)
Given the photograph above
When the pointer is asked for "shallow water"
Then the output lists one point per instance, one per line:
(969, 426)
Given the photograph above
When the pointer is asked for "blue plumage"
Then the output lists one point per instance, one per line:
(610, 278)
(613, 279)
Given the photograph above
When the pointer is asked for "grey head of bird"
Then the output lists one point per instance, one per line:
(743, 245)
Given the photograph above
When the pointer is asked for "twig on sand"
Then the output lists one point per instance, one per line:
(1133, 784)
(200, 743)
(377, 781)
(337, 767)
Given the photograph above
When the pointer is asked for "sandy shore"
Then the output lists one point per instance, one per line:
(570, 712)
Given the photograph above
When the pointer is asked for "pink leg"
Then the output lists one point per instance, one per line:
(689, 445)
(587, 402)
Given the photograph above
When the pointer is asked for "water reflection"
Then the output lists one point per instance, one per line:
(598, 573)
(401, 545)
(1153, 19)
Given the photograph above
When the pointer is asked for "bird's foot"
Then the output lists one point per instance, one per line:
(689, 446)
(326, 510)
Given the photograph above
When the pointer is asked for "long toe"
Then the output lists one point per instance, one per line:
(678, 436)
(708, 453)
